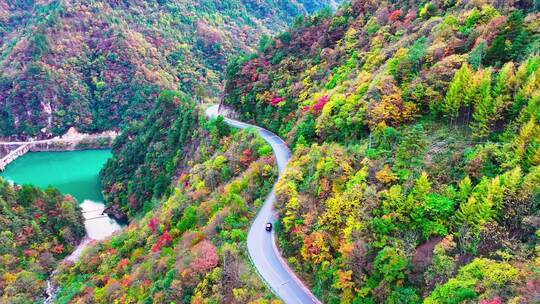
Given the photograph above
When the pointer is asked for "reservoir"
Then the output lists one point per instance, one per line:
(73, 172)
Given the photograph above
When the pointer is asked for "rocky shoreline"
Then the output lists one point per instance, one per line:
(117, 214)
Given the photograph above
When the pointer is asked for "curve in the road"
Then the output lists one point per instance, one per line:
(261, 244)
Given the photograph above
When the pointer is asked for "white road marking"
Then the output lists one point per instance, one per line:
(293, 294)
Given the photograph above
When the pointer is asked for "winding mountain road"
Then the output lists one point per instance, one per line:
(261, 244)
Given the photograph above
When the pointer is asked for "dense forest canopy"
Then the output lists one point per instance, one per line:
(416, 131)
(141, 66)
(37, 229)
(148, 155)
(186, 247)
(414, 128)
(96, 65)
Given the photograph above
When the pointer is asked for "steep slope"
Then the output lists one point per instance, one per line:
(415, 130)
(97, 64)
(147, 155)
(261, 245)
(188, 248)
(414, 177)
(37, 229)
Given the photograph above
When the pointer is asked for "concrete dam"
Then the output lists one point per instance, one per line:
(11, 150)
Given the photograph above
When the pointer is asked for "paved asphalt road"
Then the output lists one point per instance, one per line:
(261, 244)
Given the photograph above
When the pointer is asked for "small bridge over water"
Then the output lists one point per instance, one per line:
(95, 210)
(96, 217)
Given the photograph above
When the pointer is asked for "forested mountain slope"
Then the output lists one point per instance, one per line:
(415, 175)
(97, 64)
(188, 246)
(148, 156)
(415, 129)
(37, 229)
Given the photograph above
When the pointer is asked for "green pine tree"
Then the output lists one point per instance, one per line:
(455, 96)
(484, 109)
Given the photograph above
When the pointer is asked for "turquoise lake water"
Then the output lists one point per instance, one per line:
(75, 173)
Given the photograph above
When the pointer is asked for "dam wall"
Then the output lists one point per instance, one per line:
(10, 151)
(13, 155)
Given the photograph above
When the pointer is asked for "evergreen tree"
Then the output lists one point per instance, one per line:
(411, 151)
(483, 205)
(455, 96)
(504, 81)
(484, 110)
(510, 43)
(305, 133)
(497, 52)
(525, 146)
(477, 54)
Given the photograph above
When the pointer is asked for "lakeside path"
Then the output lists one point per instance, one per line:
(261, 244)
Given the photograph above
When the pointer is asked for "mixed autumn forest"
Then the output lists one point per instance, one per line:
(414, 128)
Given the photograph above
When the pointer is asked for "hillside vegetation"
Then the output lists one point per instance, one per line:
(415, 174)
(96, 65)
(416, 133)
(37, 229)
(149, 154)
(188, 246)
